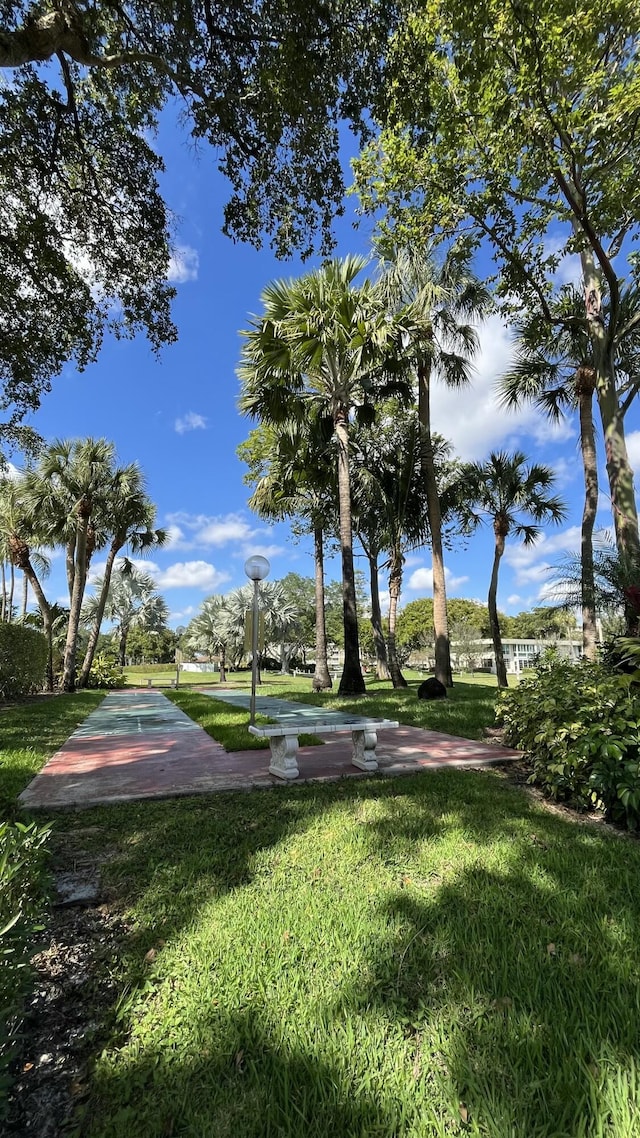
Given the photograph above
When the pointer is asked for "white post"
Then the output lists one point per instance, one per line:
(254, 655)
(256, 568)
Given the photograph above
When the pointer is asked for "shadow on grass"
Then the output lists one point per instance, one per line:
(506, 986)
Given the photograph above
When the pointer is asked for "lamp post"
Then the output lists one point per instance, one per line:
(256, 568)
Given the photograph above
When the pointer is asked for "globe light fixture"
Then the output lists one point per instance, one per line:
(256, 568)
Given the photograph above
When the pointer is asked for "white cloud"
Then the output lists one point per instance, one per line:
(199, 530)
(263, 550)
(175, 537)
(8, 470)
(513, 600)
(473, 420)
(190, 422)
(190, 575)
(223, 531)
(533, 562)
(422, 580)
(183, 265)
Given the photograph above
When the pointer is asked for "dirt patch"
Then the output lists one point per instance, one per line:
(75, 985)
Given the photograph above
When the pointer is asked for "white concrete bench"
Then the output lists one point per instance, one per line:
(284, 742)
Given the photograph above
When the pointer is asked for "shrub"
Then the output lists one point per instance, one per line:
(22, 884)
(580, 725)
(105, 672)
(23, 660)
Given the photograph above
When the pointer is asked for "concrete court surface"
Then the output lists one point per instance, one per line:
(138, 745)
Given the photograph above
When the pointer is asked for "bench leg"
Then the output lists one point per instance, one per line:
(284, 749)
(364, 750)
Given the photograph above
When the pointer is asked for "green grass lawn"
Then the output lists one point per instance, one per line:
(426, 957)
(430, 956)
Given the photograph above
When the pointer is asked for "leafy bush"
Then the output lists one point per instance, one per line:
(22, 872)
(580, 725)
(23, 660)
(105, 672)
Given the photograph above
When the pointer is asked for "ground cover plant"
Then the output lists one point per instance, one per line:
(408, 958)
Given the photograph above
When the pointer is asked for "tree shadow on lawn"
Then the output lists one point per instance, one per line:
(510, 997)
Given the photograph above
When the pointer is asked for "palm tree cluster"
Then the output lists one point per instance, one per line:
(220, 628)
(76, 496)
(338, 374)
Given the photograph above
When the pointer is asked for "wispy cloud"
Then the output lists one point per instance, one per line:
(190, 422)
(200, 531)
(184, 264)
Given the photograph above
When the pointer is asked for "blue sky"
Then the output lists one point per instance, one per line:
(177, 417)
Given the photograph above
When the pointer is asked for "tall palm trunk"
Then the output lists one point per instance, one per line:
(12, 588)
(122, 645)
(585, 385)
(222, 663)
(3, 609)
(321, 677)
(25, 594)
(492, 604)
(77, 595)
(395, 585)
(97, 623)
(440, 621)
(20, 556)
(352, 680)
(382, 665)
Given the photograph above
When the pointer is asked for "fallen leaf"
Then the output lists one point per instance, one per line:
(27, 1067)
(239, 1060)
(551, 949)
(150, 956)
(464, 1113)
(286, 936)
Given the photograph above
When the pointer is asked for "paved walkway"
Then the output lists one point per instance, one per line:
(138, 744)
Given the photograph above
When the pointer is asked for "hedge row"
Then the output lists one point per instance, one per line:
(23, 660)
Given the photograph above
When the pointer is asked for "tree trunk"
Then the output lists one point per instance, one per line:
(585, 388)
(122, 645)
(382, 666)
(77, 595)
(321, 677)
(25, 594)
(20, 557)
(440, 623)
(395, 585)
(70, 565)
(494, 623)
(619, 472)
(3, 611)
(12, 587)
(97, 623)
(222, 661)
(352, 680)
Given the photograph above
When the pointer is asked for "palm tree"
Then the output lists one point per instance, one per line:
(209, 631)
(132, 602)
(291, 469)
(554, 370)
(128, 516)
(316, 349)
(501, 490)
(66, 490)
(436, 304)
(16, 533)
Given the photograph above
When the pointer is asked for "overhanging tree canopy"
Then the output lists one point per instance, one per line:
(84, 230)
